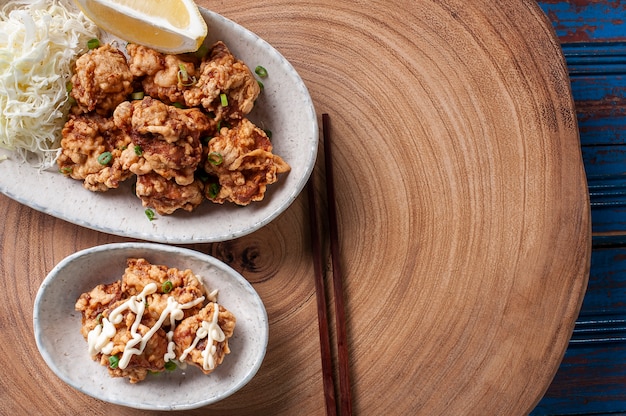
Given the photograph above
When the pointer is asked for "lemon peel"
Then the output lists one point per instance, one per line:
(168, 26)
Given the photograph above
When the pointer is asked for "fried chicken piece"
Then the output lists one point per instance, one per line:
(176, 161)
(185, 286)
(97, 305)
(131, 326)
(202, 344)
(151, 359)
(91, 147)
(241, 157)
(162, 76)
(101, 80)
(165, 139)
(166, 196)
(222, 73)
(92, 304)
(152, 117)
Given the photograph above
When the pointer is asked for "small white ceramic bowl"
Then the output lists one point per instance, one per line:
(57, 329)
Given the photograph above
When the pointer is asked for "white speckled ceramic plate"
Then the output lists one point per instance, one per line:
(57, 329)
(284, 107)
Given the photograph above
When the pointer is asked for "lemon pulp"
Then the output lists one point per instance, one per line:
(134, 31)
(170, 26)
(177, 15)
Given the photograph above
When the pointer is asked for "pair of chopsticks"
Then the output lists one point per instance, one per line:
(345, 401)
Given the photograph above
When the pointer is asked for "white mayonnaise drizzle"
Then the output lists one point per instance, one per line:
(213, 332)
(99, 339)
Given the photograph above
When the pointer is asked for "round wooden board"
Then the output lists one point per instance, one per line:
(462, 206)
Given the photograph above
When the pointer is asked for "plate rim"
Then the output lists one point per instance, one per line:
(165, 236)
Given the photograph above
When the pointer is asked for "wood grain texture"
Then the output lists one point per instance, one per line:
(462, 209)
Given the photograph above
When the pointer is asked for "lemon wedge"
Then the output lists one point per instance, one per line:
(169, 26)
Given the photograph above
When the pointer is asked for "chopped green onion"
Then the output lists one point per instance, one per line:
(224, 100)
(105, 158)
(69, 86)
(138, 150)
(138, 95)
(215, 158)
(72, 101)
(260, 71)
(114, 361)
(99, 319)
(170, 366)
(66, 170)
(182, 73)
(260, 85)
(93, 43)
(268, 133)
(183, 76)
(167, 286)
(149, 214)
(178, 105)
(213, 190)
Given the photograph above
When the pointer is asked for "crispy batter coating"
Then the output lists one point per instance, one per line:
(101, 81)
(186, 332)
(150, 360)
(92, 304)
(167, 138)
(152, 117)
(168, 147)
(185, 285)
(166, 196)
(97, 304)
(223, 73)
(162, 76)
(246, 163)
(85, 139)
(171, 284)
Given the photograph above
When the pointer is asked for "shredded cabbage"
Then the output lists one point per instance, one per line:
(39, 43)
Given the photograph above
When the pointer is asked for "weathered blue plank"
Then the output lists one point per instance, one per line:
(607, 286)
(603, 161)
(601, 106)
(590, 380)
(608, 204)
(597, 131)
(595, 57)
(592, 376)
(584, 21)
(598, 79)
(600, 88)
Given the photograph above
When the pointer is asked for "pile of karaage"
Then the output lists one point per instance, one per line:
(178, 123)
(153, 318)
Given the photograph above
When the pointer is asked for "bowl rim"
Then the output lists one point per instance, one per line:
(103, 249)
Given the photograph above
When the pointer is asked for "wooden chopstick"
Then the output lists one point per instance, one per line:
(345, 407)
(345, 396)
(322, 318)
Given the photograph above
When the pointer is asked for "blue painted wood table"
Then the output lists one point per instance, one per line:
(592, 377)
